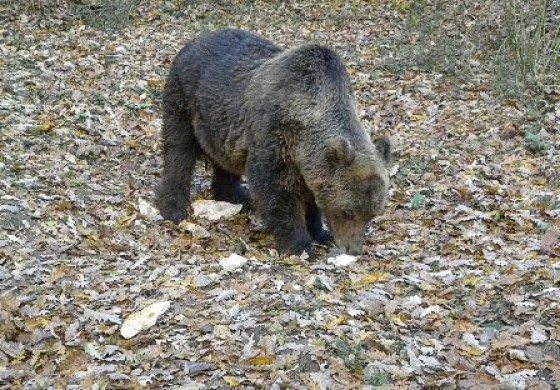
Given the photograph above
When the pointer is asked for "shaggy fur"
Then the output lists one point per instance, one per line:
(284, 119)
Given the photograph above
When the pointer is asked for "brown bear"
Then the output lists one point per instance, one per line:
(285, 119)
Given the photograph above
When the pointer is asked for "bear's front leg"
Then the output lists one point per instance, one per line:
(315, 226)
(282, 211)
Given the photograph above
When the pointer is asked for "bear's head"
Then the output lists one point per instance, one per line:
(353, 187)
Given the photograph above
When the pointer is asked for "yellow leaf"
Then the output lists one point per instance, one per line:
(126, 220)
(188, 281)
(418, 116)
(471, 350)
(337, 321)
(20, 356)
(471, 281)
(35, 355)
(37, 322)
(531, 255)
(462, 326)
(106, 329)
(155, 83)
(371, 278)
(231, 380)
(260, 360)
(397, 320)
(58, 272)
(132, 143)
(82, 296)
(45, 127)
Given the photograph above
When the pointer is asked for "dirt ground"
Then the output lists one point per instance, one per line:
(459, 286)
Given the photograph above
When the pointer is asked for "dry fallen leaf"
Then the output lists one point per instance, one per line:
(58, 272)
(231, 380)
(147, 210)
(337, 321)
(215, 210)
(9, 302)
(342, 260)
(550, 241)
(260, 360)
(144, 319)
(370, 279)
(232, 262)
(196, 230)
(471, 345)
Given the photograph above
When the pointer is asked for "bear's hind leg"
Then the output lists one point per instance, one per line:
(315, 226)
(180, 152)
(228, 187)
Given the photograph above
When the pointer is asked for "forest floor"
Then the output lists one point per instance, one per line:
(460, 283)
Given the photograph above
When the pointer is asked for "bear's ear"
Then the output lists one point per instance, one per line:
(384, 147)
(341, 150)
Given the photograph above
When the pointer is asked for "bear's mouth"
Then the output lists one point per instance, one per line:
(348, 234)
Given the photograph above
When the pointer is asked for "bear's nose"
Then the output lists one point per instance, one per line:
(353, 251)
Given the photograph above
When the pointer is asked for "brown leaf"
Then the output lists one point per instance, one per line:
(509, 340)
(550, 241)
(337, 321)
(57, 272)
(74, 360)
(9, 302)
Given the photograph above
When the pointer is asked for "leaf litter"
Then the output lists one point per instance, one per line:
(458, 286)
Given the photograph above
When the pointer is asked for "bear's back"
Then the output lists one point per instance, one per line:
(212, 72)
(222, 57)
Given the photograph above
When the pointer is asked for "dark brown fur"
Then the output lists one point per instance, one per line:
(284, 119)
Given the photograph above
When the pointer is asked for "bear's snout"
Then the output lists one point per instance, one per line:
(349, 235)
(355, 247)
(354, 251)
